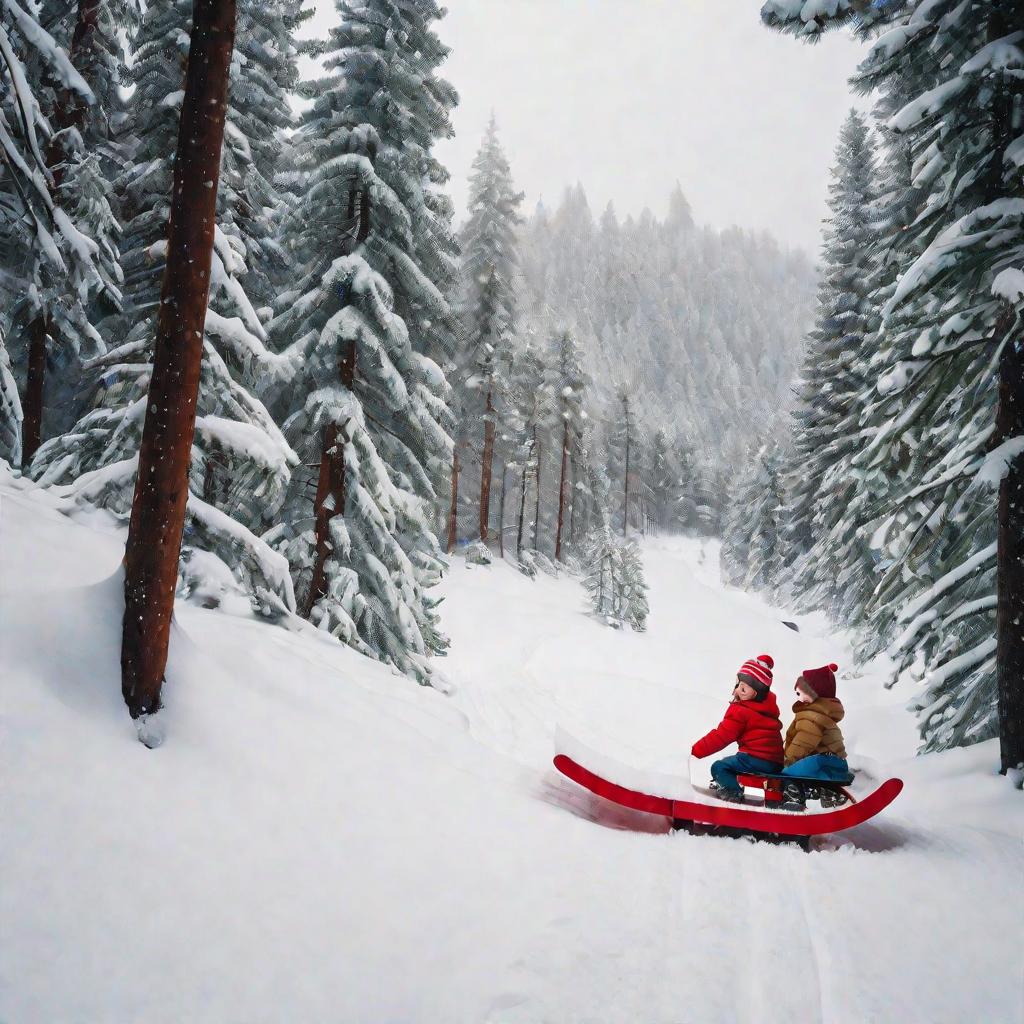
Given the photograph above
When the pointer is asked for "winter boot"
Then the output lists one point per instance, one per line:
(793, 798)
(833, 797)
(732, 796)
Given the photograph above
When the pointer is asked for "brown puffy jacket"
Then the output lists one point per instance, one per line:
(815, 730)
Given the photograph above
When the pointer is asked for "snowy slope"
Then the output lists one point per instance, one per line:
(320, 840)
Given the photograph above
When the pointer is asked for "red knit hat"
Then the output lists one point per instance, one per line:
(757, 672)
(820, 682)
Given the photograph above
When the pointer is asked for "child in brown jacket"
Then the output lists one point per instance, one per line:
(814, 747)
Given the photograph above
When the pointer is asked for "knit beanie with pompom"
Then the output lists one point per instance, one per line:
(757, 673)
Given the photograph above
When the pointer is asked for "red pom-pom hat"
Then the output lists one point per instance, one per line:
(757, 672)
(820, 682)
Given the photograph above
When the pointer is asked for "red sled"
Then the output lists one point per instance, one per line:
(737, 819)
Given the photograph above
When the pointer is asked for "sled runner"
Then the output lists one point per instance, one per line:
(751, 819)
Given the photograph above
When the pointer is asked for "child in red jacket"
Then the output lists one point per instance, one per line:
(752, 721)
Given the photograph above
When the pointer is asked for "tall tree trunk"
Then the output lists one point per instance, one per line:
(1009, 424)
(161, 489)
(536, 508)
(453, 511)
(486, 466)
(561, 491)
(1010, 563)
(522, 512)
(329, 502)
(625, 485)
(501, 513)
(574, 491)
(69, 112)
(32, 404)
(330, 488)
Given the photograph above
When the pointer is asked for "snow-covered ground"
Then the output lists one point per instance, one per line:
(319, 840)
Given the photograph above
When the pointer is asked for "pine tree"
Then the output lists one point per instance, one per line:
(568, 384)
(663, 480)
(534, 403)
(833, 375)
(372, 236)
(242, 461)
(615, 580)
(56, 227)
(763, 513)
(734, 558)
(158, 509)
(951, 370)
(623, 444)
(489, 266)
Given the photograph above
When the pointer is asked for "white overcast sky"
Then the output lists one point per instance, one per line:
(628, 96)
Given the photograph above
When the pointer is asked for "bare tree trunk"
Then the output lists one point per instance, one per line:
(625, 485)
(161, 489)
(561, 491)
(453, 511)
(1009, 424)
(1010, 563)
(69, 112)
(486, 466)
(572, 503)
(33, 402)
(522, 512)
(536, 510)
(501, 513)
(330, 489)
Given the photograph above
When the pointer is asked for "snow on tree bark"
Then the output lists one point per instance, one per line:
(330, 489)
(161, 490)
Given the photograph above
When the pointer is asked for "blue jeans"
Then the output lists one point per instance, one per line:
(826, 767)
(724, 772)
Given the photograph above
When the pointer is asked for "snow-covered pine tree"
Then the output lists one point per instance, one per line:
(600, 575)
(623, 443)
(534, 404)
(614, 579)
(896, 207)
(635, 607)
(734, 557)
(663, 482)
(826, 435)
(57, 249)
(689, 496)
(240, 462)
(763, 513)
(953, 366)
(369, 403)
(568, 386)
(489, 267)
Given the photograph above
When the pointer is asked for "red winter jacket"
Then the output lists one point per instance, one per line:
(754, 725)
